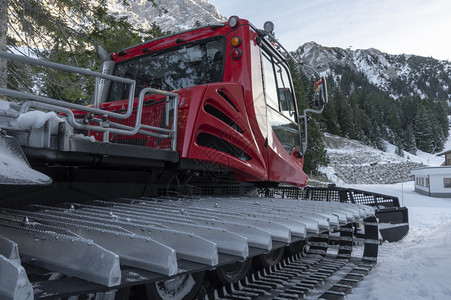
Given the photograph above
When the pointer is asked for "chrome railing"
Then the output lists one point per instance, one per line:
(105, 125)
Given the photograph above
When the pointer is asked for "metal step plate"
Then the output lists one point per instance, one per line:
(164, 237)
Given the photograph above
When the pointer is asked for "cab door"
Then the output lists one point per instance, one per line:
(284, 158)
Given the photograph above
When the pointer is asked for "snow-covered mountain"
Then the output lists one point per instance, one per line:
(398, 75)
(170, 15)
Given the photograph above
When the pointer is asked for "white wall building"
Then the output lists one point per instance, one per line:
(434, 181)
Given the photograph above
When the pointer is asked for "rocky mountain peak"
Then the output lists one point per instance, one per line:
(170, 15)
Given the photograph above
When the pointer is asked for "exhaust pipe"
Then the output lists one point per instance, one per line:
(103, 85)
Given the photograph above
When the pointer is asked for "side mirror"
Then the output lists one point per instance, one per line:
(320, 98)
(320, 91)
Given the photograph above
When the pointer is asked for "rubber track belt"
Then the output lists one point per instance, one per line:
(310, 274)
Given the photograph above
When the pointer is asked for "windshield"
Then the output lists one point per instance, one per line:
(189, 65)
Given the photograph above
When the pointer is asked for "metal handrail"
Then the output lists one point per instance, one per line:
(105, 127)
(52, 65)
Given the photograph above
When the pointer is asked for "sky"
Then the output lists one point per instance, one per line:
(419, 27)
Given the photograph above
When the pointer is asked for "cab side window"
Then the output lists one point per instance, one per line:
(270, 83)
(280, 102)
(285, 92)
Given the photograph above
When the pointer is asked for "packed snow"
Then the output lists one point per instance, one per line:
(4, 105)
(14, 168)
(417, 267)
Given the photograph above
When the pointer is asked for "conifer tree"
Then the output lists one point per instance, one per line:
(438, 137)
(330, 117)
(440, 114)
(408, 140)
(315, 155)
(394, 125)
(423, 130)
(345, 117)
(398, 150)
(68, 31)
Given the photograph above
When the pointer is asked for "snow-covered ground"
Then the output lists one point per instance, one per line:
(418, 267)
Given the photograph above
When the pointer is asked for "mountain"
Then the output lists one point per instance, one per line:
(398, 75)
(170, 15)
(376, 97)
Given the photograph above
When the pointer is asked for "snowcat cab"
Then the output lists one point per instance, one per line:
(155, 188)
(237, 109)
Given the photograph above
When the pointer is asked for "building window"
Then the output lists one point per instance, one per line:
(422, 181)
(427, 182)
(447, 183)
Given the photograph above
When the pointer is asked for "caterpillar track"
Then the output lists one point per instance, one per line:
(311, 276)
(100, 245)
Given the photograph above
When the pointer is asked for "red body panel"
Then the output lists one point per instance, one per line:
(225, 123)
(244, 139)
(284, 167)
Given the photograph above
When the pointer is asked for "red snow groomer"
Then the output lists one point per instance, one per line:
(168, 185)
(230, 114)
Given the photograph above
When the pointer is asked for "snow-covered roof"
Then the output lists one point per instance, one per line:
(444, 152)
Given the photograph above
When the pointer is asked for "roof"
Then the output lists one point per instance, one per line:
(441, 170)
(444, 153)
